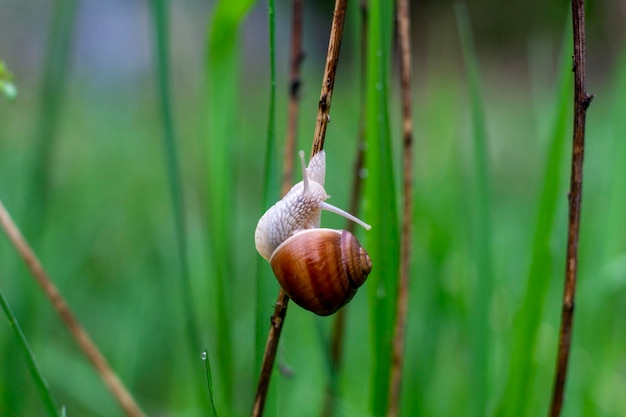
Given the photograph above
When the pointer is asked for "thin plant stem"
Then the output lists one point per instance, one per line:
(328, 81)
(397, 353)
(480, 237)
(338, 332)
(277, 320)
(84, 342)
(161, 29)
(55, 72)
(264, 288)
(280, 309)
(41, 383)
(294, 89)
(581, 103)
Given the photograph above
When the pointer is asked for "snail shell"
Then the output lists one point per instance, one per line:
(321, 269)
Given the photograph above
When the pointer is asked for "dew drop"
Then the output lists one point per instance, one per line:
(204, 355)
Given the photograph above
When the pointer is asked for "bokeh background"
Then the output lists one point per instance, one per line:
(83, 170)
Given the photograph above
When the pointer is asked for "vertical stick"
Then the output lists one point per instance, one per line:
(397, 354)
(338, 333)
(328, 82)
(280, 310)
(581, 103)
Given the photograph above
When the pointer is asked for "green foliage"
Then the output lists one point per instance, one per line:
(266, 285)
(6, 85)
(529, 316)
(383, 241)
(42, 385)
(480, 204)
(490, 162)
(222, 75)
(209, 381)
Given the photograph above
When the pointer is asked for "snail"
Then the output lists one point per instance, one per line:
(319, 269)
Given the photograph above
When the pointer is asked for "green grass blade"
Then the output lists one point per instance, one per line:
(49, 109)
(528, 318)
(383, 241)
(161, 32)
(54, 73)
(480, 240)
(222, 66)
(267, 287)
(610, 246)
(209, 380)
(29, 357)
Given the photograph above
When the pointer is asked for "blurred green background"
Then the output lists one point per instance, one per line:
(84, 172)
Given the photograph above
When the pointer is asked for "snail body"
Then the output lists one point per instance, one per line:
(320, 269)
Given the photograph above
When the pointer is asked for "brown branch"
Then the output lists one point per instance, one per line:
(338, 332)
(84, 342)
(280, 310)
(397, 356)
(581, 103)
(328, 81)
(277, 320)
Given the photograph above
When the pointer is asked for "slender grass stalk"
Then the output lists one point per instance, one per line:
(265, 282)
(528, 318)
(209, 381)
(222, 76)
(161, 43)
(403, 17)
(296, 58)
(323, 116)
(613, 219)
(50, 106)
(335, 355)
(481, 224)
(581, 103)
(161, 33)
(54, 73)
(47, 399)
(383, 241)
(81, 337)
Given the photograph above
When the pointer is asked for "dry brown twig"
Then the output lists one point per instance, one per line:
(338, 331)
(84, 342)
(581, 103)
(280, 309)
(397, 357)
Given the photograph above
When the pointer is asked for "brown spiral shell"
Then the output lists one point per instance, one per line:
(321, 269)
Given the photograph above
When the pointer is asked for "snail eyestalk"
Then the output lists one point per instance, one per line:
(337, 210)
(305, 177)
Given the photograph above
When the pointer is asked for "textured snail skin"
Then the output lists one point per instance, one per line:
(321, 269)
(299, 209)
(296, 211)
